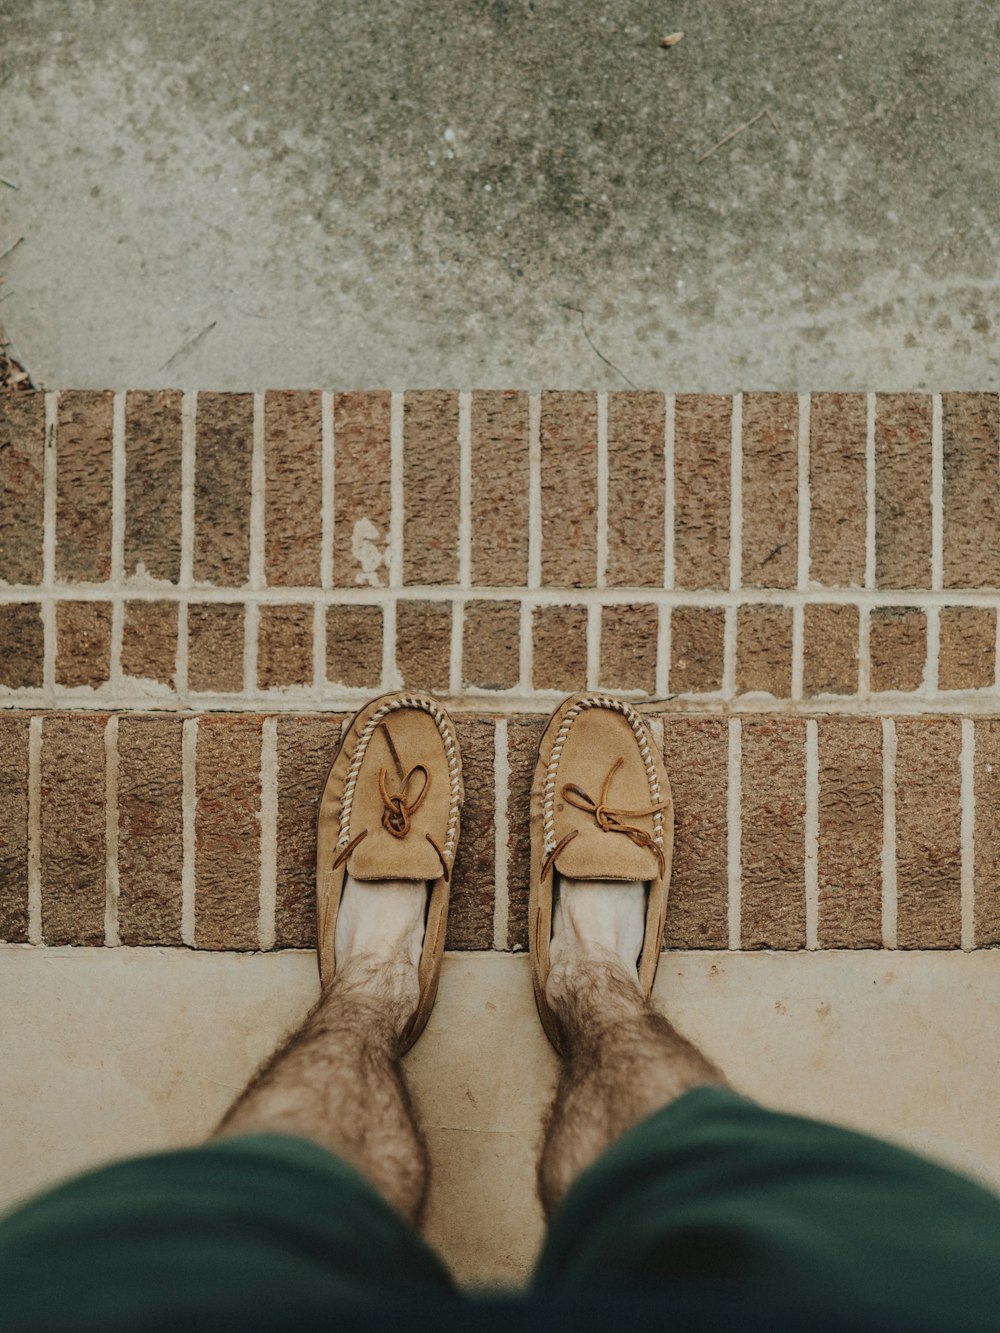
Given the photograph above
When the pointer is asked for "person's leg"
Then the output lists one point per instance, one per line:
(623, 1059)
(338, 1080)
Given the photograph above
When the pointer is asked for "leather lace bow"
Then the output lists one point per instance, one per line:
(608, 819)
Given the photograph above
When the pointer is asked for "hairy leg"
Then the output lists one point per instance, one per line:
(624, 1060)
(338, 1080)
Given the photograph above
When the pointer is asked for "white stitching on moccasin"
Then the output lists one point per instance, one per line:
(642, 738)
(454, 778)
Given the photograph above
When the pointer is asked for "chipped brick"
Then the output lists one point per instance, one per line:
(362, 499)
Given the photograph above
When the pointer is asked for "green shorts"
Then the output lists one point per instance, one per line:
(713, 1214)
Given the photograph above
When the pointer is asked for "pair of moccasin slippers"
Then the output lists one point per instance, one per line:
(391, 809)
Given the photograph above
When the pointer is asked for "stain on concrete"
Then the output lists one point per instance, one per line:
(390, 193)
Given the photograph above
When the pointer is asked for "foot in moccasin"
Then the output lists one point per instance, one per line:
(601, 843)
(387, 834)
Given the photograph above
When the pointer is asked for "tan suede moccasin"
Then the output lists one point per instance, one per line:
(390, 810)
(600, 809)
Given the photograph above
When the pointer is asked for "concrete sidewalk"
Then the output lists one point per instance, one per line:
(247, 195)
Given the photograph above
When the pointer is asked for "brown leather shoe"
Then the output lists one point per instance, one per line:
(600, 809)
(391, 810)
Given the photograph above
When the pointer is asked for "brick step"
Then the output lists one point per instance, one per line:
(297, 550)
(792, 833)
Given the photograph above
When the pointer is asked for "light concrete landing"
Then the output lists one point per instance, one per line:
(114, 1051)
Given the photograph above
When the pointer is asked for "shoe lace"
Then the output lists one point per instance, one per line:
(399, 806)
(608, 819)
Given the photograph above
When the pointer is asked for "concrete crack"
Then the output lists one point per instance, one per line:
(596, 350)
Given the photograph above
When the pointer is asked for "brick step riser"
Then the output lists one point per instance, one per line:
(791, 833)
(166, 546)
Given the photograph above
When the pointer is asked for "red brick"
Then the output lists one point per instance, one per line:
(227, 833)
(838, 430)
(636, 482)
(83, 486)
(967, 650)
(149, 641)
(898, 647)
(73, 848)
(773, 834)
(83, 643)
(430, 487)
(523, 736)
(499, 489)
(22, 645)
(492, 648)
(628, 647)
(215, 646)
(354, 645)
(560, 648)
(13, 829)
(150, 830)
(293, 492)
(764, 650)
(224, 459)
(830, 650)
(362, 482)
(903, 490)
(971, 440)
(697, 649)
(849, 861)
(702, 452)
(307, 746)
(928, 831)
(22, 465)
(986, 834)
(770, 489)
(153, 484)
(423, 644)
(696, 752)
(284, 646)
(569, 489)
(470, 915)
